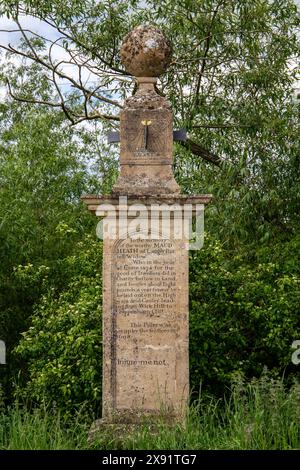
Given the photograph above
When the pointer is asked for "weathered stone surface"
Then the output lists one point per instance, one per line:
(115, 432)
(146, 52)
(146, 170)
(145, 274)
(145, 326)
(93, 201)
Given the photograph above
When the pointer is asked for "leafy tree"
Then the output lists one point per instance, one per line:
(45, 166)
(231, 85)
(244, 313)
(41, 180)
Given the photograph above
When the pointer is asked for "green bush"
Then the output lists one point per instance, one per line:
(61, 350)
(243, 316)
(43, 428)
(244, 311)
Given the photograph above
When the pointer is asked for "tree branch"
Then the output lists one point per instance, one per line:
(55, 72)
(206, 49)
(68, 112)
(202, 152)
(220, 126)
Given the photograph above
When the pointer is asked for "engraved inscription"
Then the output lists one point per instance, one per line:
(145, 324)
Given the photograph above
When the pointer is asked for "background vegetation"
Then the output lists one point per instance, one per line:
(231, 85)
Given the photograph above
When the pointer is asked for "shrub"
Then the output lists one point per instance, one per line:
(61, 350)
(244, 312)
(243, 316)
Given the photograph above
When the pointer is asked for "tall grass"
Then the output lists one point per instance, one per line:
(258, 415)
(40, 429)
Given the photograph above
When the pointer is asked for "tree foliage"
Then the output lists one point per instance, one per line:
(42, 178)
(232, 67)
(244, 312)
(243, 318)
(231, 85)
(62, 347)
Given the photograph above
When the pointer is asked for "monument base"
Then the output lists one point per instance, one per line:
(119, 426)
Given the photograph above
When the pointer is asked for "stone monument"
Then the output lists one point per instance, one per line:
(145, 252)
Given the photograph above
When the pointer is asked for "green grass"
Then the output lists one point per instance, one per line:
(40, 429)
(258, 415)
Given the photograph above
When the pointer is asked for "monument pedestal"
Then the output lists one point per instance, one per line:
(145, 306)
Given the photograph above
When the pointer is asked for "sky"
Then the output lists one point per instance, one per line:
(58, 53)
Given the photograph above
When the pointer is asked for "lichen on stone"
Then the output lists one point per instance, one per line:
(146, 52)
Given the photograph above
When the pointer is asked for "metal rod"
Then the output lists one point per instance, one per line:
(146, 125)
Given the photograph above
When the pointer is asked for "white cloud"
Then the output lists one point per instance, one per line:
(28, 23)
(9, 34)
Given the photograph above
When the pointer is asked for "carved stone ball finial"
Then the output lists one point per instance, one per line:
(146, 52)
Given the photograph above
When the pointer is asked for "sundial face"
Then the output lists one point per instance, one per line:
(156, 135)
(146, 136)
